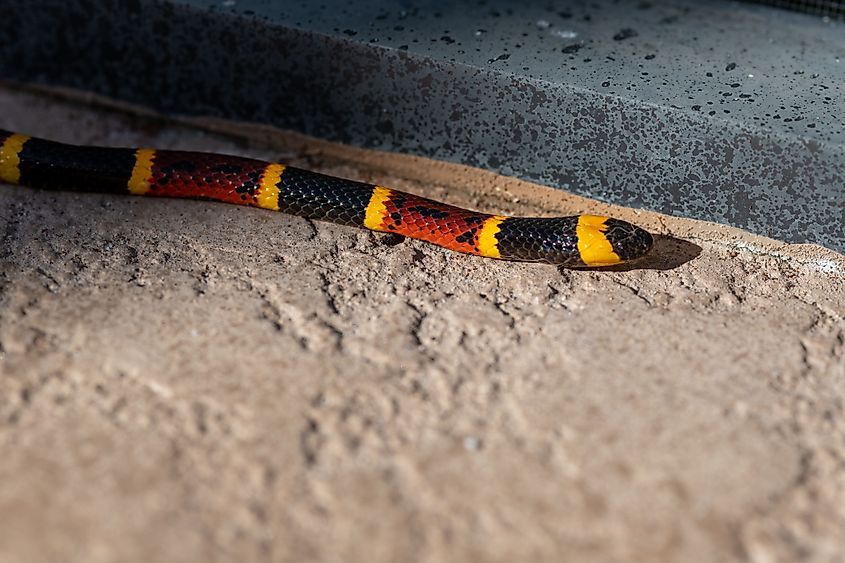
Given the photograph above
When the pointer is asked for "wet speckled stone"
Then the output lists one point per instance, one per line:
(712, 110)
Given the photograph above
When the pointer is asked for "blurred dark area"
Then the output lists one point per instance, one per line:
(830, 8)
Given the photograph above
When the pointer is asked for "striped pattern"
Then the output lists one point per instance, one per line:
(377, 209)
(268, 194)
(142, 172)
(10, 161)
(584, 240)
(488, 244)
(593, 245)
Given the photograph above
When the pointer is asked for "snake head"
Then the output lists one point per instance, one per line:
(603, 241)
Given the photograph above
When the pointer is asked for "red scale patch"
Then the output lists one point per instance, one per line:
(441, 224)
(207, 176)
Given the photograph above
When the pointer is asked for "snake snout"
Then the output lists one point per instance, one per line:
(629, 241)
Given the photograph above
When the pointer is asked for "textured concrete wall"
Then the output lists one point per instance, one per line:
(710, 110)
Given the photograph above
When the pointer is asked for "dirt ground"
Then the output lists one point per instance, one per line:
(189, 381)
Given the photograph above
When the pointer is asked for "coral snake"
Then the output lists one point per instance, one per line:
(582, 240)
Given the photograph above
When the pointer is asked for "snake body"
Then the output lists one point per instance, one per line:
(582, 240)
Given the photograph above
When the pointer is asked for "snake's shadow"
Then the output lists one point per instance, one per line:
(667, 253)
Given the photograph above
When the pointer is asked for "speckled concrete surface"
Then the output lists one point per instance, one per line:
(713, 110)
(188, 381)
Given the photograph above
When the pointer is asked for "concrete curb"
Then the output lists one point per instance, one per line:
(685, 108)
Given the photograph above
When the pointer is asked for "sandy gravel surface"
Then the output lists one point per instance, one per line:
(189, 381)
